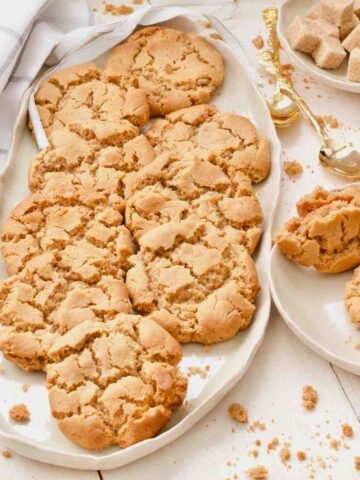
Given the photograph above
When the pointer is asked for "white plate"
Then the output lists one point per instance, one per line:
(312, 304)
(41, 439)
(289, 9)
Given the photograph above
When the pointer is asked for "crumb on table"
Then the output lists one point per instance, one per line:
(309, 397)
(347, 430)
(327, 121)
(216, 36)
(273, 444)
(137, 2)
(114, 10)
(208, 25)
(19, 413)
(238, 413)
(285, 454)
(6, 454)
(292, 167)
(357, 463)
(25, 387)
(258, 473)
(258, 42)
(301, 455)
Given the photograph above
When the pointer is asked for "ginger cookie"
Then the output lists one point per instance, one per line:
(326, 235)
(114, 383)
(72, 166)
(228, 139)
(175, 188)
(175, 69)
(352, 296)
(201, 285)
(79, 98)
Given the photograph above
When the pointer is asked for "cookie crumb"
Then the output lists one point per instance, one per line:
(19, 413)
(137, 2)
(208, 25)
(334, 444)
(238, 413)
(273, 444)
(258, 442)
(301, 455)
(257, 426)
(258, 42)
(357, 463)
(258, 473)
(327, 121)
(287, 70)
(198, 371)
(25, 387)
(114, 10)
(347, 430)
(285, 454)
(6, 454)
(216, 36)
(254, 453)
(292, 167)
(94, 9)
(309, 397)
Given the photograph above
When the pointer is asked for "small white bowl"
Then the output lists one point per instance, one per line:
(289, 9)
(312, 305)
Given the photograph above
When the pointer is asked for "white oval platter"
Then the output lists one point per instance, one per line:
(40, 439)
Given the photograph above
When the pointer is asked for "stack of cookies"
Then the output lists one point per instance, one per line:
(130, 243)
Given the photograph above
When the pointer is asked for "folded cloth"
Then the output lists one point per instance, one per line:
(29, 30)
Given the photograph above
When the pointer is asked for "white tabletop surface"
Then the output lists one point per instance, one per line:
(217, 448)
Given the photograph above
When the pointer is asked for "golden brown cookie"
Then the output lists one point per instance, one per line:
(352, 296)
(115, 383)
(175, 69)
(87, 237)
(79, 98)
(227, 139)
(326, 234)
(201, 285)
(48, 298)
(174, 188)
(72, 166)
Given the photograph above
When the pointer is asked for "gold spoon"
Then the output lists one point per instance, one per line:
(341, 158)
(283, 110)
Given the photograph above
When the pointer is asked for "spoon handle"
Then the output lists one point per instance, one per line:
(270, 17)
(270, 60)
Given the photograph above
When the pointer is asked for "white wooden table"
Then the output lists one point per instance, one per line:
(217, 448)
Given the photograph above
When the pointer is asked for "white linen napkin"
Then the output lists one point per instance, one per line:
(29, 30)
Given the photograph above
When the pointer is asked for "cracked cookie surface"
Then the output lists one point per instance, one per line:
(229, 139)
(201, 285)
(66, 260)
(79, 98)
(114, 383)
(174, 68)
(352, 296)
(73, 167)
(174, 188)
(87, 236)
(326, 235)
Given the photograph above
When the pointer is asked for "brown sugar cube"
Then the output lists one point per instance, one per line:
(348, 27)
(19, 413)
(337, 12)
(329, 54)
(353, 72)
(303, 35)
(352, 40)
(327, 28)
(314, 12)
